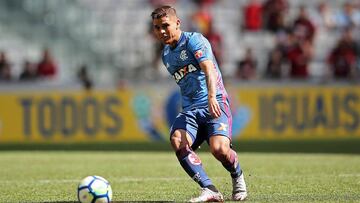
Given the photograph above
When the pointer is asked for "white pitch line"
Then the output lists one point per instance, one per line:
(124, 179)
(149, 179)
(349, 175)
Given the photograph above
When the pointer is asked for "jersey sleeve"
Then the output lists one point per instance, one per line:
(199, 46)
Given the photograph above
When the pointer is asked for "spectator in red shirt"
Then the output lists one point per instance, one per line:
(253, 16)
(342, 59)
(303, 27)
(47, 66)
(299, 56)
(274, 14)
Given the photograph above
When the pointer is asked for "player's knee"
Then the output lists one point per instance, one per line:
(180, 139)
(175, 142)
(219, 147)
(220, 151)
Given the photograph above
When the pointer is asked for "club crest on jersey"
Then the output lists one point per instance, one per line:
(183, 55)
(180, 74)
(198, 54)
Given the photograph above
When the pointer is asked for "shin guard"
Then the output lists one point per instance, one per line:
(191, 163)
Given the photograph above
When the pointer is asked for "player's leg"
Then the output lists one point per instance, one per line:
(191, 163)
(181, 141)
(220, 146)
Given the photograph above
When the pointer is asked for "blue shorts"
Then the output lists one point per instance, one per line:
(200, 125)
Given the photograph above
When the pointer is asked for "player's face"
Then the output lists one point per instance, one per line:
(167, 29)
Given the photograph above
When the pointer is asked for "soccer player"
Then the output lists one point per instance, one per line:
(206, 114)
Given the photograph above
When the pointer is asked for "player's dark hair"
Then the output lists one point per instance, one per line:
(163, 11)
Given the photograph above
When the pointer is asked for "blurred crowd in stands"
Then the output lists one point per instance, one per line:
(294, 46)
(290, 57)
(45, 68)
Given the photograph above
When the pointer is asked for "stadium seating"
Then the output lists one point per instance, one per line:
(112, 37)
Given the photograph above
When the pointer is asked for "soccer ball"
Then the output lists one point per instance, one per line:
(94, 189)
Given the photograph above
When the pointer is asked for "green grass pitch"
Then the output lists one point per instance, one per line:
(52, 176)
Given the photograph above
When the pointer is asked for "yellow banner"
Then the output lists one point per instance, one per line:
(300, 112)
(68, 117)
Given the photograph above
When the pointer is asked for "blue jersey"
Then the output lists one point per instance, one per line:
(182, 62)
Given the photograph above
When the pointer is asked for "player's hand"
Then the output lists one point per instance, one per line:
(214, 108)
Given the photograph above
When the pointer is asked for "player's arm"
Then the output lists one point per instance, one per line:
(208, 68)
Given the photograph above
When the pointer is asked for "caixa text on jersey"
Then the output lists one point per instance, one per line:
(182, 72)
